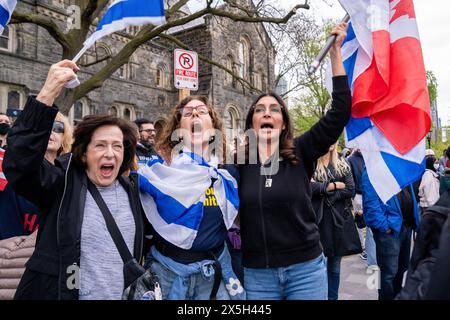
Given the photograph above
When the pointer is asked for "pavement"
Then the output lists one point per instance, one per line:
(356, 284)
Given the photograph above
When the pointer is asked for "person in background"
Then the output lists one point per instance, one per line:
(357, 164)
(5, 124)
(145, 147)
(429, 184)
(332, 189)
(20, 219)
(18, 216)
(444, 180)
(442, 161)
(392, 224)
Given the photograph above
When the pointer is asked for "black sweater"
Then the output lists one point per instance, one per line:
(278, 224)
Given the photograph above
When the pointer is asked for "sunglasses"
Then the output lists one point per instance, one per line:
(58, 127)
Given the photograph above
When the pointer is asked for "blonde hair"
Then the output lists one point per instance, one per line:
(67, 139)
(340, 165)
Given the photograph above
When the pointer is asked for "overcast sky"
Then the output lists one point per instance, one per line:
(433, 19)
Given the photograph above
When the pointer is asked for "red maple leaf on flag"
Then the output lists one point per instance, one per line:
(401, 8)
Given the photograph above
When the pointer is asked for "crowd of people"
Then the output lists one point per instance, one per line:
(77, 202)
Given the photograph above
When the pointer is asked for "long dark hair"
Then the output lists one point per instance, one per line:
(287, 149)
(85, 129)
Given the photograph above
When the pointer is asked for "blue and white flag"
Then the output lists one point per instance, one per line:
(124, 13)
(173, 195)
(6, 10)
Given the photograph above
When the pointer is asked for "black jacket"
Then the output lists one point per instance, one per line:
(60, 192)
(333, 209)
(144, 154)
(278, 224)
(357, 164)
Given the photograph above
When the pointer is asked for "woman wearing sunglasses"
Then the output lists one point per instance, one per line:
(191, 202)
(20, 218)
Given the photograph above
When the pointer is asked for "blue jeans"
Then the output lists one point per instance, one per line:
(199, 286)
(334, 274)
(393, 255)
(370, 248)
(302, 281)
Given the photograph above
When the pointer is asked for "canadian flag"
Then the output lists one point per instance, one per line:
(391, 87)
(3, 181)
(390, 107)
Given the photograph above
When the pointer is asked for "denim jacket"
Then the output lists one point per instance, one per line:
(184, 271)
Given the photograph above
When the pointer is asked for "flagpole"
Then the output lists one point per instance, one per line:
(323, 53)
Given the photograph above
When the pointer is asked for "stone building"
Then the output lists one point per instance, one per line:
(144, 86)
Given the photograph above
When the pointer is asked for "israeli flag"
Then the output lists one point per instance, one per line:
(173, 195)
(124, 13)
(6, 10)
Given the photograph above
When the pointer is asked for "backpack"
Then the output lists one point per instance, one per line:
(426, 250)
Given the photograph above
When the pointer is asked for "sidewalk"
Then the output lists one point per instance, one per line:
(354, 280)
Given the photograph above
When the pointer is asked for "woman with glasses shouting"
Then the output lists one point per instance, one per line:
(191, 202)
(282, 254)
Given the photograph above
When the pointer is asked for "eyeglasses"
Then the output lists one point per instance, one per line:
(201, 110)
(148, 130)
(273, 108)
(58, 127)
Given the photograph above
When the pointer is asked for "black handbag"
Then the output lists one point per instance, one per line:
(139, 284)
(348, 243)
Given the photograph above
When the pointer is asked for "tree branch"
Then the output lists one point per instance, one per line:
(44, 22)
(256, 19)
(150, 32)
(211, 62)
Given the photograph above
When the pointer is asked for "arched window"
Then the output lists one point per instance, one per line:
(127, 114)
(123, 110)
(229, 64)
(79, 110)
(231, 123)
(7, 39)
(244, 58)
(13, 100)
(113, 111)
(4, 39)
(161, 80)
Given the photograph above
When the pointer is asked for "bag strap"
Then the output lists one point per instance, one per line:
(111, 224)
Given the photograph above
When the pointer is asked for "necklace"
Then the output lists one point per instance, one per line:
(269, 180)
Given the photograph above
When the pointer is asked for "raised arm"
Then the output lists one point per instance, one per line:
(24, 166)
(315, 142)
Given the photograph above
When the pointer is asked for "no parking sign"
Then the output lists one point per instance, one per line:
(186, 69)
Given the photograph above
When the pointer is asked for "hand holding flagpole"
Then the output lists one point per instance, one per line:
(120, 15)
(323, 53)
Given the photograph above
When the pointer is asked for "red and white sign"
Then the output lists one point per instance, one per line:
(186, 69)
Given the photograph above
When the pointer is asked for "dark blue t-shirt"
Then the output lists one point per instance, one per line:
(18, 216)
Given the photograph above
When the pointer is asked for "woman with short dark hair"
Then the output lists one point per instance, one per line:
(75, 256)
